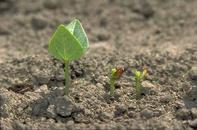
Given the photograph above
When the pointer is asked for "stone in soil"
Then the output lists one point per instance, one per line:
(165, 98)
(4, 30)
(42, 89)
(105, 116)
(57, 92)
(149, 88)
(64, 106)
(193, 124)
(17, 125)
(52, 4)
(6, 5)
(194, 112)
(147, 113)
(39, 107)
(131, 114)
(183, 114)
(80, 118)
(3, 110)
(193, 73)
(120, 110)
(51, 111)
(193, 93)
(38, 22)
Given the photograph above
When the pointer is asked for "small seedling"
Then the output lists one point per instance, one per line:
(116, 73)
(68, 43)
(138, 81)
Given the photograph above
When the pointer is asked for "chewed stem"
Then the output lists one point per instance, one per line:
(67, 76)
(138, 87)
(112, 87)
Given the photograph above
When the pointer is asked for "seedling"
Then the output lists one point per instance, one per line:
(68, 43)
(138, 81)
(116, 73)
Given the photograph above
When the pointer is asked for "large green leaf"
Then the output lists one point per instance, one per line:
(77, 30)
(64, 46)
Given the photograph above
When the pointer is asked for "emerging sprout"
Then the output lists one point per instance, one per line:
(68, 43)
(116, 73)
(138, 81)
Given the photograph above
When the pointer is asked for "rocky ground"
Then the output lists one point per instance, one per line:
(159, 35)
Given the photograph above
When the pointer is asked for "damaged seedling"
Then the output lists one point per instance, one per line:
(116, 73)
(68, 43)
(139, 75)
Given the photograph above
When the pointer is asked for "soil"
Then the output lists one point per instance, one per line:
(159, 35)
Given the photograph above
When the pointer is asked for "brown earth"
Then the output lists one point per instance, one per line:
(159, 35)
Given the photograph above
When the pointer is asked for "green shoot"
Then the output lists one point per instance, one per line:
(138, 81)
(68, 43)
(116, 73)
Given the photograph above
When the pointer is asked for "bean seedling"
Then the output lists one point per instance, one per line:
(116, 73)
(68, 43)
(138, 81)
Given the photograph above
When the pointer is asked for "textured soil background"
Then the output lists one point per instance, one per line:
(156, 34)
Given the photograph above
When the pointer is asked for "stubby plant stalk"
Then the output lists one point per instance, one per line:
(112, 86)
(116, 73)
(138, 85)
(138, 82)
(67, 76)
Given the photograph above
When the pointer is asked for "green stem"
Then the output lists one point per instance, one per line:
(112, 87)
(67, 76)
(138, 88)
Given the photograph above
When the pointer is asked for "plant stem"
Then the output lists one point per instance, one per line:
(138, 87)
(67, 76)
(112, 87)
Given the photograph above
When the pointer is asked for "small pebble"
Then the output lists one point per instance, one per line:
(193, 123)
(41, 77)
(87, 112)
(157, 113)
(120, 110)
(17, 125)
(38, 22)
(147, 113)
(99, 85)
(70, 122)
(165, 98)
(39, 107)
(64, 106)
(149, 88)
(51, 111)
(42, 88)
(131, 114)
(52, 4)
(183, 114)
(193, 73)
(58, 91)
(4, 30)
(103, 36)
(193, 93)
(6, 5)
(104, 116)
(194, 112)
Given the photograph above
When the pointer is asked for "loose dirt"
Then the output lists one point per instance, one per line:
(159, 35)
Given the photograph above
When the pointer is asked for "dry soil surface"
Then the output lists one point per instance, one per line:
(160, 35)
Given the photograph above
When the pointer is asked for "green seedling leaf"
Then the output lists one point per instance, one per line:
(68, 43)
(138, 74)
(64, 46)
(77, 30)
